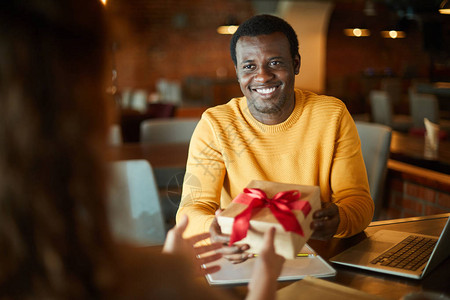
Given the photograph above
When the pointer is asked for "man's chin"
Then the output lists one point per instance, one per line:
(267, 109)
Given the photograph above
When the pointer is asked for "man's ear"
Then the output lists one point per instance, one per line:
(297, 63)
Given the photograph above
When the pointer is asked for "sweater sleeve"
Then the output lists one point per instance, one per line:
(205, 171)
(348, 179)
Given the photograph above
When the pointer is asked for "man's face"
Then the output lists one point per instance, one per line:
(266, 73)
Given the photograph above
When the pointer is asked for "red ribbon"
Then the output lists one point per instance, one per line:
(280, 206)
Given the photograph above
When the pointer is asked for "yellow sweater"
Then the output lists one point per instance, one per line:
(317, 145)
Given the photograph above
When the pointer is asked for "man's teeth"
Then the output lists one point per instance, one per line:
(265, 91)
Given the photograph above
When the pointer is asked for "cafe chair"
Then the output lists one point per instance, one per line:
(423, 106)
(382, 112)
(173, 130)
(393, 87)
(139, 100)
(375, 147)
(134, 206)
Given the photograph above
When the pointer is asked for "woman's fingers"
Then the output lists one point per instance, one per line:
(209, 270)
(204, 260)
(268, 239)
(210, 258)
(199, 237)
(207, 248)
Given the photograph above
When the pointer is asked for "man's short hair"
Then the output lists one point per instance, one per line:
(264, 24)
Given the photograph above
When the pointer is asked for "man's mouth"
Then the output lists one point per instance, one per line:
(265, 91)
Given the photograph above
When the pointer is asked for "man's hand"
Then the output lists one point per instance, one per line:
(325, 222)
(234, 253)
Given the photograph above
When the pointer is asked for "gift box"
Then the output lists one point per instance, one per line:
(264, 204)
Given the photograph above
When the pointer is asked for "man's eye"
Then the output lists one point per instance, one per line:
(275, 63)
(248, 67)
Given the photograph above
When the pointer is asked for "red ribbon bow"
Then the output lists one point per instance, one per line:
(280, 206)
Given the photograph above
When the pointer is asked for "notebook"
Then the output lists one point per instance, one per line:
(293, 269)
(386, 251)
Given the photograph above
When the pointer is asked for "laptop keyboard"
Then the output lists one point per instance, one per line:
(409, 254)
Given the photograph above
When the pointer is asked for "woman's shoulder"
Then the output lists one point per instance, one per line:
(146, 273)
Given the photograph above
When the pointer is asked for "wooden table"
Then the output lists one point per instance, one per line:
(383, 285)
(409, 149)
(160, 156)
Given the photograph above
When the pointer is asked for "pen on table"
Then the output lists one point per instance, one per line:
(298, 255)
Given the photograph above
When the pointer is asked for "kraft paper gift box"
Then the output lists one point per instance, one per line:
(287, 243)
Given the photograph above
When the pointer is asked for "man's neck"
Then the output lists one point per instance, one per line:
(273, 118)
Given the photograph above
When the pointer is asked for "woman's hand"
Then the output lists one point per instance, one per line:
(176, 244)
(263, 284)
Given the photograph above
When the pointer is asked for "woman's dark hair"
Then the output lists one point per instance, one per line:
(264, 24)
(54, 237)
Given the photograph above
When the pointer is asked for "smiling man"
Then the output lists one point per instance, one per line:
(275, 133)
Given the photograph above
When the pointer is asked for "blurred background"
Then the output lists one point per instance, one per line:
(171, 50)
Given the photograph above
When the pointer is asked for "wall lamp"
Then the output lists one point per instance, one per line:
(227, 29)
(393, 34)
(230, 26)
(444, 8)
(357, 32)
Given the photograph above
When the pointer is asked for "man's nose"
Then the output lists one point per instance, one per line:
(263, 74)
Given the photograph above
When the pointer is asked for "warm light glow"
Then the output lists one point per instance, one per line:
(103, 1)
(444, 8)
(227, 29)
(393, 34)
(356, 32)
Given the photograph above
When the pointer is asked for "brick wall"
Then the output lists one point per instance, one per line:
(172, 39)
(410, 196)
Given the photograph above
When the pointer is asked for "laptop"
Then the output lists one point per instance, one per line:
(398, 253)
